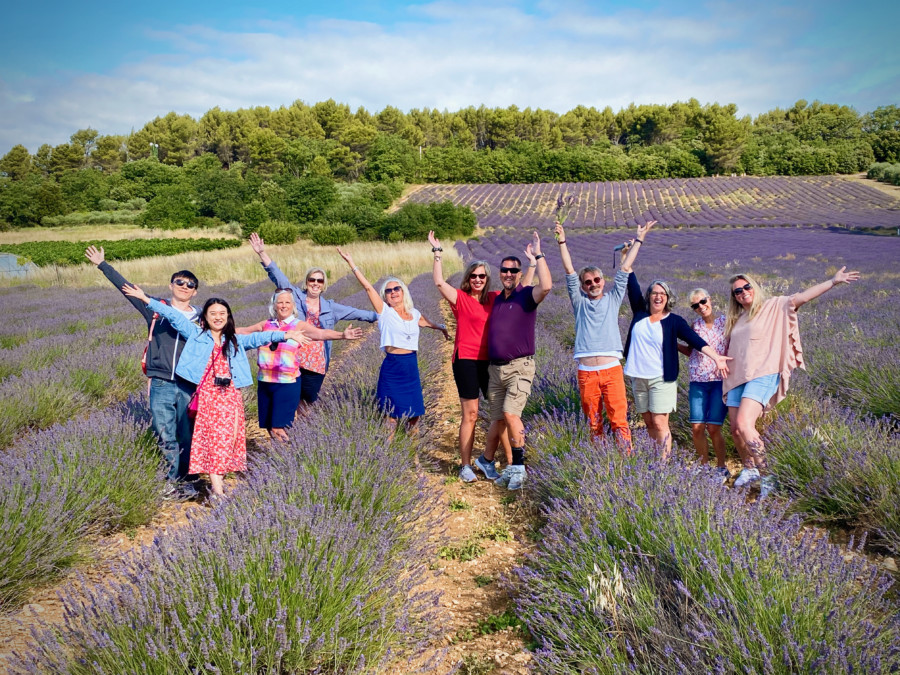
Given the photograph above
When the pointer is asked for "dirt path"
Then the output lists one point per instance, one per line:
(476, 636)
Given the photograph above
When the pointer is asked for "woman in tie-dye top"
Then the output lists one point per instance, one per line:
(279, 384)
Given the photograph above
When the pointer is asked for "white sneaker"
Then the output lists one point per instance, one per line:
(746, 477)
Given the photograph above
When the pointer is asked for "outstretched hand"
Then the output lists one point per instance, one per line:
(536, 243)
(135, 292)
(257, 244)
(346, 256)
(95, 255)
(433, 240)
(351, 333)
(722, 364)
(642, 230)
(842, 277)
(298, 336)
(528, 254)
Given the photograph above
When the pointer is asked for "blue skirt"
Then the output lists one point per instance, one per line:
(399, 391)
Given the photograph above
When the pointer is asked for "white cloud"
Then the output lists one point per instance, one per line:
(445, 55)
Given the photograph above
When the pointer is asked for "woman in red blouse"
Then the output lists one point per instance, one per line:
(471, 305)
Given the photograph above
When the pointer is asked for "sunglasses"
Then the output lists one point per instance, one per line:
(478, 276)
(315, 281)
(185, 282)
(740, 289)
(696, 305)
(395, 289)
(510, 270)
(596, 281)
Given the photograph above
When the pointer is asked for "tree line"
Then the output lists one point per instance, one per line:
(259, 163)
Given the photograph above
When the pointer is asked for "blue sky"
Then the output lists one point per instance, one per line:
(115, 66)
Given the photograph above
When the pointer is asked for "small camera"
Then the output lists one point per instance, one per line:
(221, 381)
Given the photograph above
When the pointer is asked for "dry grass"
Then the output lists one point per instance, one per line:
(376, 259)
(90, 233)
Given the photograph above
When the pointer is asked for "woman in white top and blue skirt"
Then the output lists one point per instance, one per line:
(399, 390)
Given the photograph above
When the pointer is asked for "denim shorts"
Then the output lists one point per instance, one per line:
(759, 389)
(707, 406)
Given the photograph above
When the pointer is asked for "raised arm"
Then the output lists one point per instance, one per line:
(568, 267)
(427, 323)
(98, 257)
(635, 297)
(259, 248)
(185, 327)
(374, 298)
(840, 277)
(636, 245)
(528, 277)
(437, 271)
(545, 281)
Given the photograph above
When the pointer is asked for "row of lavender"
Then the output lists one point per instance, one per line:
(646, 566)
(746, 200)
(93, 469)
(311, 566)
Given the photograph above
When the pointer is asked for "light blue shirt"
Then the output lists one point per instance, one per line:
(597, 321)
(199, 347)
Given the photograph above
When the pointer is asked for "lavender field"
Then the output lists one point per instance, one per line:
(317, 560)
(734, 201)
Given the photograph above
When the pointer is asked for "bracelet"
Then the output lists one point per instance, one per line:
(539, 256)
(354, 268)
(562, 242)
(639, 241)
(435, 249)
(532, 265)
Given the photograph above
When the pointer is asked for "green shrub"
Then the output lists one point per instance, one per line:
(277, 232)
(43, 253)
(334, 234)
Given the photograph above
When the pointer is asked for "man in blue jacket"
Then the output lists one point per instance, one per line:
(169, 393)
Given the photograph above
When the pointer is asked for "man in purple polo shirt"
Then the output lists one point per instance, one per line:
(511, 351)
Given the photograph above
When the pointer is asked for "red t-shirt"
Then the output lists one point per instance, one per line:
(471, 326)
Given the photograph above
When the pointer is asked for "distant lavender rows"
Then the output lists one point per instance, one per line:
(745, 200)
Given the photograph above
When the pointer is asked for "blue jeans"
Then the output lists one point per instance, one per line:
(168, 409)
(707, 406)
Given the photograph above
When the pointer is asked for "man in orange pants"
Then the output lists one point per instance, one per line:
(598, 344)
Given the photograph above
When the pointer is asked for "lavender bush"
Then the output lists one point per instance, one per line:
(91, 475)
(839, 467)
(645, 566)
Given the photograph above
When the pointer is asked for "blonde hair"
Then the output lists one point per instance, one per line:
(466, 284)
(273, 311)
(407, 298)
(702, 292)
(735, 310)
(315, 269)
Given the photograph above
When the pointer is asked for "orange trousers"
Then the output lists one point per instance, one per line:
(605, 389)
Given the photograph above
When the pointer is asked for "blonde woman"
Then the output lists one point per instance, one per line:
(399, 390)
(319, 312)
(279, 384)
(764, 344)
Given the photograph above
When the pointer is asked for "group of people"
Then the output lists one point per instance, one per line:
(740, 364)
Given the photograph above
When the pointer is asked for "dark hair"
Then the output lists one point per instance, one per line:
(466, 285)
(186, 274)
(228, 331)
(512, 257)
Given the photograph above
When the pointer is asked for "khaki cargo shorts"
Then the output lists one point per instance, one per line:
(509, 386)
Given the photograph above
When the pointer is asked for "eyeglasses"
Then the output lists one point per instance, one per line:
(658, 293)
(477, 276)
(510, 270)
(740, 289)
(315, 281)
(185, 282)
(596, 281)
(696, 305)
(395, 289)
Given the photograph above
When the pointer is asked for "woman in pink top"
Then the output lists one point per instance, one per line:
(472, 308)
(764, 343)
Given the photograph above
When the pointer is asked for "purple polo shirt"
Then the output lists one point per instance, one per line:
(511, 328)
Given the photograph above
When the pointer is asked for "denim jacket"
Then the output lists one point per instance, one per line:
(330, 312)
(199, 347)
